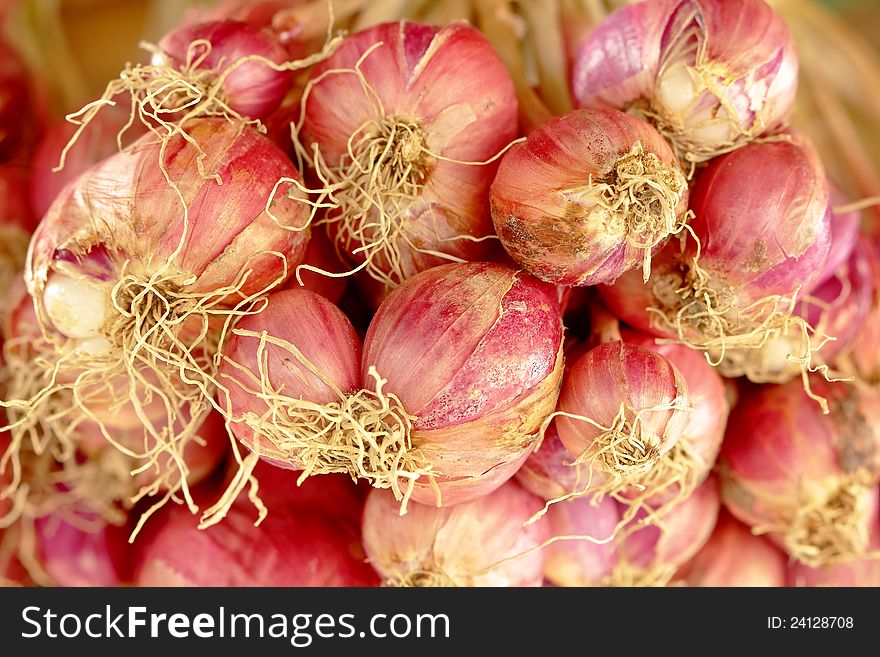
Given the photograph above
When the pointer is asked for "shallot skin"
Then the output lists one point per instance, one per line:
(712, 74)
(325, 338)
(123, 209)
(474, 351)
(252, 88)
(296, 545)
(463, 545)
(543, 198)
(805, 475)
(733, 556)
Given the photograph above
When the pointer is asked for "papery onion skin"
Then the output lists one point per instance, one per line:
(456, 546)
(733, 556)
(474, 351)
(844, 232)
(549, 472)
(761, 240)
(293, 546)
(617, 64)
(581, 562)
(466, 114)
(786, 466)
(87, 555)
(320, 253)
(861, 356)
(17, 222)
(323, 335)
(713, 75)
(763, 234)
(838, 306)
(543, 203)
(98, 143)
(710, 408)
(93, 228)
(599, 383)
(683, 531)
(253, 88)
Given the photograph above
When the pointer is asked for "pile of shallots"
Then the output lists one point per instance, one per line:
(311, 303)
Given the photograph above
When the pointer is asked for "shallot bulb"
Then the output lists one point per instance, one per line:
(645, 554)
(806, 478)
(460, 367)
(225, 69)
(406, 168)
(474, 353)
(295, 545)
(712, 74)
(861, 355)
(83, 551)
(621, 408)
(244, 59)
(760, 240)
(550, 471)
(692, 458)
(587, 197)
(102, 459)
(131, 285)
(485, 542)
(733, 556)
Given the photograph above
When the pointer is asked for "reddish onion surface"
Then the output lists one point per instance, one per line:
(83, 551)
(733, 556)
(804, 477)
(245, 59)
(98, 143)
(550, 471)
(861, 356)
(588, 196)
(460, 367)
(644, 555)
(621, 408)
(295, 545)
(406, 168)
(130, 283)
(762, 240)
(14, 99)
(712, 74)
(474, 352)
(470, 544)
(321, 254)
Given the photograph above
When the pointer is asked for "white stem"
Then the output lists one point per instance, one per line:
(78, 309)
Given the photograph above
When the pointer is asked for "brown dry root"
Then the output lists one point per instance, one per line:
(625, 574)
(703, 314)
(369, 194)
(640, 196)
(832, 528)
(164, 342)
(366, 434)
(421, 578)
(165, 99)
